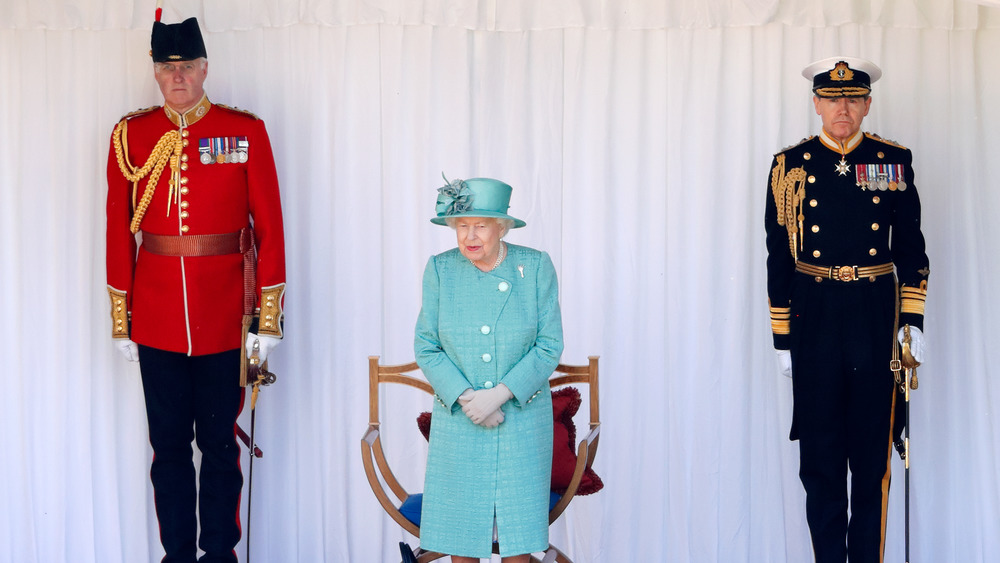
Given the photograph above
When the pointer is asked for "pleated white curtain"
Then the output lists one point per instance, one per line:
(637, 136)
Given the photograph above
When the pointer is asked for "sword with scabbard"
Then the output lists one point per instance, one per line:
(253, 372)
(906, 378)
(258, 375)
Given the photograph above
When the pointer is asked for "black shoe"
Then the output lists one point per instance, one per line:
(407, 553)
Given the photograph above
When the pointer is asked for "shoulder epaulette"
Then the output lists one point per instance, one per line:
(237, 110)
(875, 137)
(139, 112)
(790, 147)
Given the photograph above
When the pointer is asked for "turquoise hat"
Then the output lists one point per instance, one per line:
(475, 197)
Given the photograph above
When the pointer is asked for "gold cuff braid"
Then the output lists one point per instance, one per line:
(781, 318)
(913, 299)
(119, 313)
(271, 313)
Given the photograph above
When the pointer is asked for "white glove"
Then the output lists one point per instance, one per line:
(266, 343)
(784, 362)
(916, 343)
(127, 348)
(485, 402)
(491, 421)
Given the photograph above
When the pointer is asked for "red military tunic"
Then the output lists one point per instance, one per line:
(194, 304)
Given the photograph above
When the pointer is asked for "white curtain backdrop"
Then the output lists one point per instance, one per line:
(637, 136)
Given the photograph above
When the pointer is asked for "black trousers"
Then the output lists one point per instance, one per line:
(843, 389)
(194, 398)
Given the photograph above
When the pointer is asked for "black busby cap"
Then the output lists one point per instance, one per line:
(840, 77)
(177, 41)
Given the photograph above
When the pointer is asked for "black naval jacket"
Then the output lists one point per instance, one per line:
(861, 210)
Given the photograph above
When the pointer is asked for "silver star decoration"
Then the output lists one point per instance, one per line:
(842, 167)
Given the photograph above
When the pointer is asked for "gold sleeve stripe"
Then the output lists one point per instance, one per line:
(781, 320)
(912, 300)
(119, 313)
(271, 312)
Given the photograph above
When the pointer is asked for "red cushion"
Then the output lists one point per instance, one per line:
(565, 403)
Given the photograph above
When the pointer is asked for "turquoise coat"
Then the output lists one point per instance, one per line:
(477, 329)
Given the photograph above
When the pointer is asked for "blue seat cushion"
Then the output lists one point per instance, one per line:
(410, 509)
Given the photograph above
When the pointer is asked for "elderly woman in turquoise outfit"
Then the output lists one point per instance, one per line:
(488, 337)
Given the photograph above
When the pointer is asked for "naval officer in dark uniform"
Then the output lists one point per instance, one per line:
(846, 271)
(192, 176)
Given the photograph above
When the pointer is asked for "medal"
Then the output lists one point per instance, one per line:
(243, 149)
(843, 167)
(205, 151)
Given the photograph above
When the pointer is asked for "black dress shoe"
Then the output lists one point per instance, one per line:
(407, 553)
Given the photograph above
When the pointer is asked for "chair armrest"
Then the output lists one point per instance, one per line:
(374, 462)
(585, 453)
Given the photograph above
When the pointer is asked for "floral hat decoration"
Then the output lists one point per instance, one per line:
(475, 197)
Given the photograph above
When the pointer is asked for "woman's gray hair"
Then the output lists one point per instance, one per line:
(505, 223)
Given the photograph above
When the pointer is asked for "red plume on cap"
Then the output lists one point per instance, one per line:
(159, 9)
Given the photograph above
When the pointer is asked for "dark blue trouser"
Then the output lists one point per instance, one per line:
(194, 398)
(842, 339)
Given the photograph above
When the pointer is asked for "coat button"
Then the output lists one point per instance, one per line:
(816, 254)
(812, 179)
(485, 329)
(813, 203)
(872, 251)
(874, 226)
(488, 385)
(815, 228)
(487, 357)
(185, 229)
(504, 286)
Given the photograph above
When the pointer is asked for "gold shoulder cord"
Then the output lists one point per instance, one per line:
(789, 192)
(168, 148)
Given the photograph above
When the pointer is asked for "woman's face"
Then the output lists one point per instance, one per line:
(479, 239)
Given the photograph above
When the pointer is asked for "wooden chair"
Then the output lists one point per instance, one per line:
(377, 467)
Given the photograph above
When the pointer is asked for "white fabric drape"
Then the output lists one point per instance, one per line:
(637, 136)
(503, 15)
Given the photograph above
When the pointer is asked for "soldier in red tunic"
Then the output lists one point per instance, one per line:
(201, 287)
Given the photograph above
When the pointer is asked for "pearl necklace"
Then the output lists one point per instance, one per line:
(500, 256)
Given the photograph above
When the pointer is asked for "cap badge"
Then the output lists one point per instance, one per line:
(841, 72)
